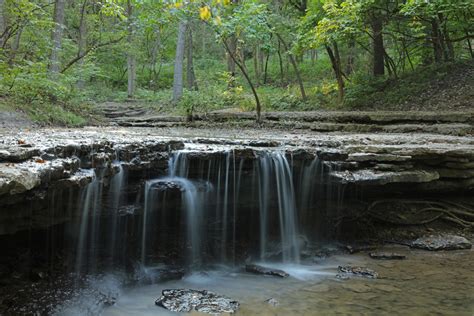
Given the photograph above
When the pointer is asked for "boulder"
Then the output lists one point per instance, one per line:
(187, 300)
(253, 268)
(442, 242)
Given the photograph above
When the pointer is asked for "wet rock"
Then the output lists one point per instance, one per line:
(347, 271)
(360, 157)
(386, 256)
(359, 247)
(187, 300)
(253, 268)
(273, 302)
(371, 177)
(441, 242)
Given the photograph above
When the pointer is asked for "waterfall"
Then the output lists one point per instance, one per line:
(208, 208)
(193, 199)
(117, 184)
(275, 173)
(88, 228)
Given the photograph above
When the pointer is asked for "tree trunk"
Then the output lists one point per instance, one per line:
(256, 68)
(436, 41)
(15, 46)
(350, 57)
(131, 59)
(56, 36)
(190, 75)
(378, 47)
(336, 66)
(178, 63)
(295, 67)
(280, 60)
(469, 46)
(314, 56)
(3, 22)
(265, 71)
(242, 68)
(82, 42)
(232, 44)
(261, 58)
(449, 48)
(154, 58)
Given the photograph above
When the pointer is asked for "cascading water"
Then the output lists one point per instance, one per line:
(90, 198)
(117, 184)
(220, 209)
(275, 172)
(193, 199)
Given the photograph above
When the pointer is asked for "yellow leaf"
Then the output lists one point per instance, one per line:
(226, 2)
(205, 13)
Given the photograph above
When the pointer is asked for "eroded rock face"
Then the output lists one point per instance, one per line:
(187, 300)
(442, 242)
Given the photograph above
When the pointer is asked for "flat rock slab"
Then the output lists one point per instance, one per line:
(387, 256)
(358, 248)
(187, 300)
(442, 242)
(253, 268)
(348, 271)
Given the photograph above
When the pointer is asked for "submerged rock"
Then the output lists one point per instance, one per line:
(347, 271)
(253, 268)
(186, 300)
(387, 256)
(273, 302)
(441, 242)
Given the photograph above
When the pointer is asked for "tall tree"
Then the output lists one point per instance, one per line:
(82, 40)
(3, 25)
(190, 75)
(57, 36)
(178, 62)
(131, 58)
(376, 24)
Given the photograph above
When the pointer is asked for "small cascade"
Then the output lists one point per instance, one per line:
(193, 198)
(89, 226)
(276, 177)
(117, 184)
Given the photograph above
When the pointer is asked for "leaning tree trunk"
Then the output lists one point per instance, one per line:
(241, 65)
(295, 67)
(336, 66)
(190, 75)
(56, 36)
(377, 46)
(178, 63)
(131, 59)
(232, 44)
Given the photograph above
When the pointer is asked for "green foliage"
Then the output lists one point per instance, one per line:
(101, 74)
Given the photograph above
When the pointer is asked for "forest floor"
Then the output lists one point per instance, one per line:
(446, 88)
